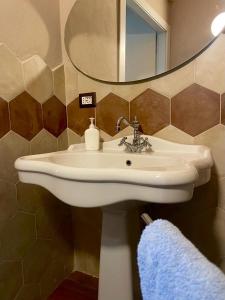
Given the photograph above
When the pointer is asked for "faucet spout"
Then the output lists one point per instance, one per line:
(120, 120)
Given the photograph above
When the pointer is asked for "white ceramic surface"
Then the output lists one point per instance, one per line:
(167, 174)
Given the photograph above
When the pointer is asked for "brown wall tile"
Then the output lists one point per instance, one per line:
(223, 109)
(78, 118)
(108, 111)
(4, 118)
(54, 116)
(26, 116)
(195, 109)
(152, 111)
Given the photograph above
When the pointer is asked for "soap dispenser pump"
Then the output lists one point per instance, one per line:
(92, 137)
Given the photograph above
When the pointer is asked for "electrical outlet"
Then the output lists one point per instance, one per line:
(87, 100)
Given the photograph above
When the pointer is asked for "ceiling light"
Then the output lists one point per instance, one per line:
(218, 24)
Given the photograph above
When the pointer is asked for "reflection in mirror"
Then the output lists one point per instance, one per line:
(129, 40)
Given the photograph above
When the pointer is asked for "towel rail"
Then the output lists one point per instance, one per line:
(146, 218)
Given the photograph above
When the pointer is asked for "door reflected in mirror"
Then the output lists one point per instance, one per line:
(130, 40)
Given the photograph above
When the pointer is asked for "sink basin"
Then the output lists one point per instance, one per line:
(167, 174)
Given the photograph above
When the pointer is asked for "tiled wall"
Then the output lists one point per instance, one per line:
(32, 27)
(36, 244)
(35, 229)
(186, 106)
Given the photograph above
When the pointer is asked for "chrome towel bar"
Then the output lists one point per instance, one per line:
(146, 218)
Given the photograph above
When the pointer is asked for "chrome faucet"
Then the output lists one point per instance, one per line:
(139, 143)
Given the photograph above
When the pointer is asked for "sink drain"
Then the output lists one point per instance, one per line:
(128, 163)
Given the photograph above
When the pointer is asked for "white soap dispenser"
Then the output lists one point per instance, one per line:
(92, 137)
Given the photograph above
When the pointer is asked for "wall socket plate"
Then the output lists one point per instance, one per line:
(87, 100)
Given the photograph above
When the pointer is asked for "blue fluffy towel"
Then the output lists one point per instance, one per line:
(171, 268)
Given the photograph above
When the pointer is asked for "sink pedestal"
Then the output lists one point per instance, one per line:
(118, 268)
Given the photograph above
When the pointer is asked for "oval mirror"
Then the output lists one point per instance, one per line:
(131, 40)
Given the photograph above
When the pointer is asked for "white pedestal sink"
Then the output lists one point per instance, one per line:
(111, 179)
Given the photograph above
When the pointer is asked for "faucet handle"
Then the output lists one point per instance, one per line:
(122, 142)
(148, 145)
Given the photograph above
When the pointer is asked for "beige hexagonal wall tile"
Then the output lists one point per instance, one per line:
(218, 231)
(34, 199)
(31, 197)
(104, 137)
(63, 141)
(28, 196)
(221, 264)
(11, 79)
(71, 82)
(87, 85)
(18, 234)
(73, 138)
(36, 260)
(48, 222)
(174, 134)
(38, 78)
(11, 279)
(210, 66)
(8, 203)
(54, 274)
(52, 214)
(43, 142)
(87, 223)
(214, 139)
(30, 291)
(12, 146)
(59, 87)
(206, 233)
(64, 243)
(125, 132)
(221, 192)
(62, 254)
(176, 81)
(130, 91)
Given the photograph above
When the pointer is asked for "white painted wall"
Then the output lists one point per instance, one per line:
(92, 38)
(32, 27)
(140, 48)
(161, 7)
